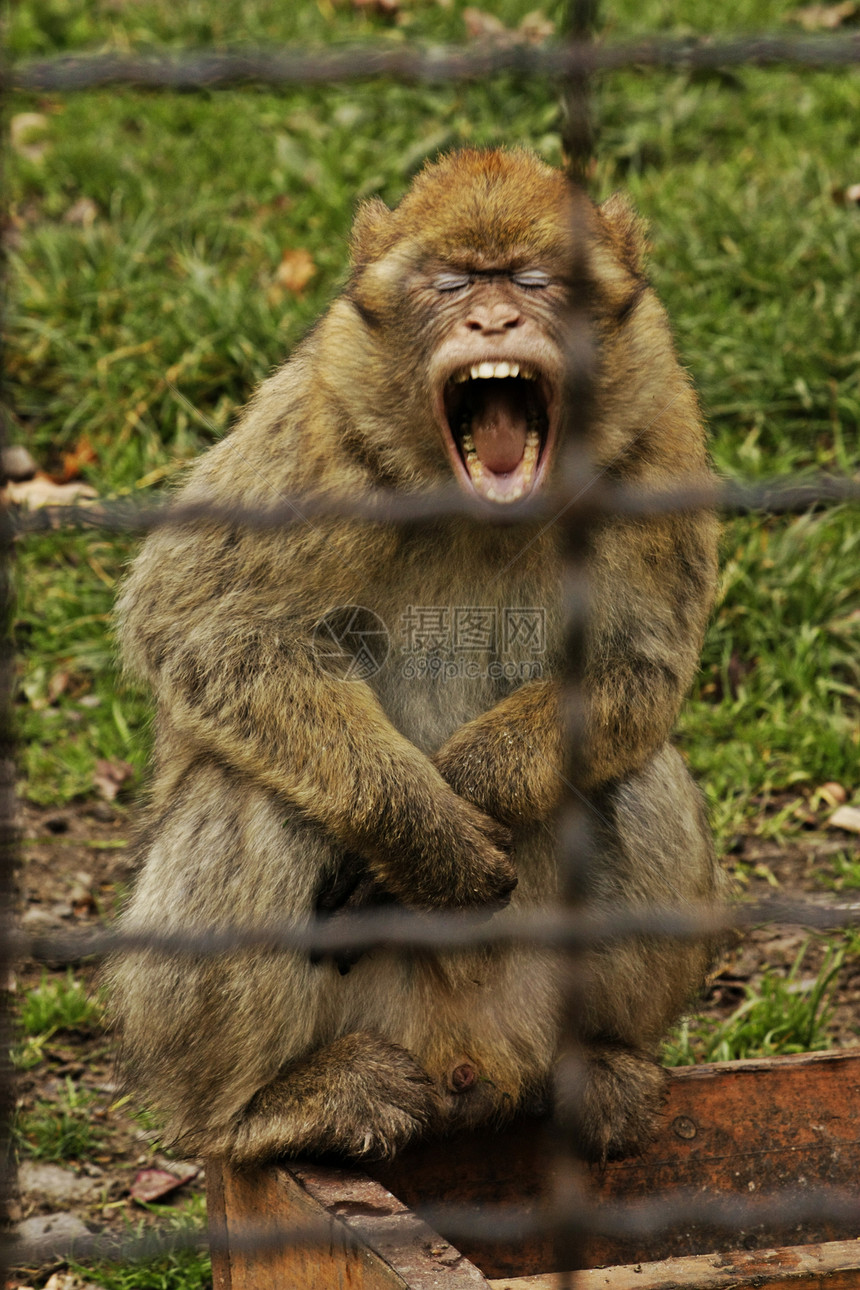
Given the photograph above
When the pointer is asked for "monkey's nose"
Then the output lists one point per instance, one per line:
(493, 320)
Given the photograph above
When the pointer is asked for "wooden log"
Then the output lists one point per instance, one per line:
(834, 1266)
(372, 1241)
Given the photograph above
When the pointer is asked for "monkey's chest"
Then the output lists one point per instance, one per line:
(448, 663)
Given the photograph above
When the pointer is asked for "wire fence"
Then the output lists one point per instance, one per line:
(578, 501)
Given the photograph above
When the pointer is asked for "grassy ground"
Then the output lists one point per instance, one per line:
(146, 235)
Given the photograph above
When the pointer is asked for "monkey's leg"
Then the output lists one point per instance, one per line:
(613, 1097)
(652, 848)
(360, 1096)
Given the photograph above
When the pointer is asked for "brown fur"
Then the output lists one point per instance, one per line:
(280, 791)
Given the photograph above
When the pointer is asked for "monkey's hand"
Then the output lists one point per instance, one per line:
(508, 761)
(456, 857)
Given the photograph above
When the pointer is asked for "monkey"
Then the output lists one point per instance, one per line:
(285, 788)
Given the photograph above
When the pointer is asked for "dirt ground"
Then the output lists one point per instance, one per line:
(74, 867)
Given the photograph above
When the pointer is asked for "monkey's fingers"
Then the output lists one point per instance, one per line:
(363, 893)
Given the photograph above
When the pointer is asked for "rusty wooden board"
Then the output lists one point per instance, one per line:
(397, 1250)
(749, 1128)
(834, 1266)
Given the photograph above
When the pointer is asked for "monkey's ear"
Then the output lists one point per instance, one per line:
(626, 230)
(370, 231)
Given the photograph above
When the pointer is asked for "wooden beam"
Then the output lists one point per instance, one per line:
(373, 1241)
(739, 1128)
(834, 1266)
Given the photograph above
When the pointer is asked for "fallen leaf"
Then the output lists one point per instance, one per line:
(83, 454)
(42, 491)
(824, 17)
(152, 1184)
(26, 131)
(295, 270)
(535, 27)
(83, 212)
(110, 776)
(385, 8)
(847, 817)
(831, 793)
(57, 685)
(69, 1281)
(81, 896)
(484, 26)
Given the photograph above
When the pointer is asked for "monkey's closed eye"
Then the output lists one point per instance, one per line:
(451, 281)
(534, 279)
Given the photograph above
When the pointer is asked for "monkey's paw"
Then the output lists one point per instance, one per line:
(617, 1106)
(471, 866)
(361, 1097)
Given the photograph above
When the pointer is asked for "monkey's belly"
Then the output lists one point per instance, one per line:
(497, 1011)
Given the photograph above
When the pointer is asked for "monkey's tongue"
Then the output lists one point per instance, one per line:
(499, 433)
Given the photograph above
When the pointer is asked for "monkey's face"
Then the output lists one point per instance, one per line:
(467, 286)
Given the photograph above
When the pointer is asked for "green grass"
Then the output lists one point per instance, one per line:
(57, 1003)
(181, 1270)
(171, 287)
(783, 1014)
(59, 1129)
(841, 872)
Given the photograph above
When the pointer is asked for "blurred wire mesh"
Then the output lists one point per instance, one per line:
(577, 501)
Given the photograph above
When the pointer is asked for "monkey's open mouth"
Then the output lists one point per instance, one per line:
(499, 425)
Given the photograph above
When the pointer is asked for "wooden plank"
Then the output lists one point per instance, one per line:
(398, 1251)
(749, 1128)
(216, 1211)
(833, 1266)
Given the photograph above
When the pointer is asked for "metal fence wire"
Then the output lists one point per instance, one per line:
(579, 501)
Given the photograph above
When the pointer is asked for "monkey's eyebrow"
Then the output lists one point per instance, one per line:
(468, 268)
(592, 481)
(210, 425)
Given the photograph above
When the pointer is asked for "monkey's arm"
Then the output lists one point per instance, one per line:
(509, 760)
(244, 694)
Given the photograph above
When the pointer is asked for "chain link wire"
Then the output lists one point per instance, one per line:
(571, 1214)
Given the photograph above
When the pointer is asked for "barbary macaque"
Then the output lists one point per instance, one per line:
(285, 786)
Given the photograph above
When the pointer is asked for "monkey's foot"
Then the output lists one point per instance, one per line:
(360, 1096)
(618, 1103)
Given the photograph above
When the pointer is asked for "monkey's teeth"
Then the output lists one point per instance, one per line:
(526, 470)
(491, 371)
